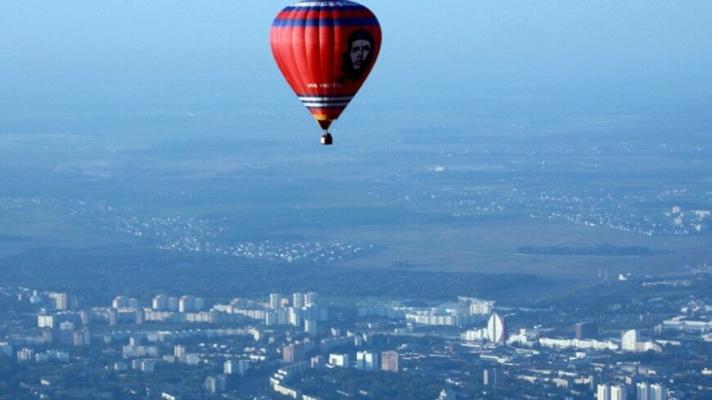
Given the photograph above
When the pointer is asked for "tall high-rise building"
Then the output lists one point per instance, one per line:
(603, 392)
(298, 300)
(229, 367)
(84, 317)
(310, 312)
(215, 384)
(618, 392)
(179, 352)
(389, 361)
(81, 338)
(113, 316)
(270, 318)
(642, 391)
(366, 360)
(275, 301)
(490, 376)
(199, 304)
(294, 352)
(124, 302)
(236, 367)
(61, 300)
(658, 392)
(172, 303)
(311, 299)
(629, 340)
(310, 327)
(186, 304)
(496, 329)
(295, 316)
(160, 302)
(586, 330)
(282, 316)
(645, 391)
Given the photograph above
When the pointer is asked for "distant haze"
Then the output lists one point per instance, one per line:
(108, 55)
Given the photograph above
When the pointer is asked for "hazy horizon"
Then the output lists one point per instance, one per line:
(130, 56)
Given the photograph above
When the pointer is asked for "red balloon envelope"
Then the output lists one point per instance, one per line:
(325, 50)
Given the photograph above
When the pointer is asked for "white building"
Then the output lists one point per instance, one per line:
(658, 392)
(45, 321)
(24, 355)
(270, 318)
(123, 302)
(526, 337)
(282, 316)
(496, 329)
(298, 300)
(629, 340)
(311, 299)
(584, 344)
(160, 303)
(61, 356)
(339, 360)
(120, 366)
(310, 327)
(190, 303)
(236, 367)
(367, 361)
(199, 304)
(215, 384)
(135, 351)
(172, 304)
(474, 335)
(147, 366)
(642, 391)
(434, 318)
(186, 304)
(295, 316)
(81, 337)
(603, 392)
(60, 300)
(645, 391)
(481, 307)
(275, 301)
(179, 352)
(618, 392)
(192, 359)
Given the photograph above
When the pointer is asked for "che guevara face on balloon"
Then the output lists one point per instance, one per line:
(358, 56)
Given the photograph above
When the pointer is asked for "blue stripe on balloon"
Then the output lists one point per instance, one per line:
(327, 8)
(327, 22)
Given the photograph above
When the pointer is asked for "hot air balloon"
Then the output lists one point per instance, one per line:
(325, 50)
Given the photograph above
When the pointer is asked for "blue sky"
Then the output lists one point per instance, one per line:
(100, 54)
